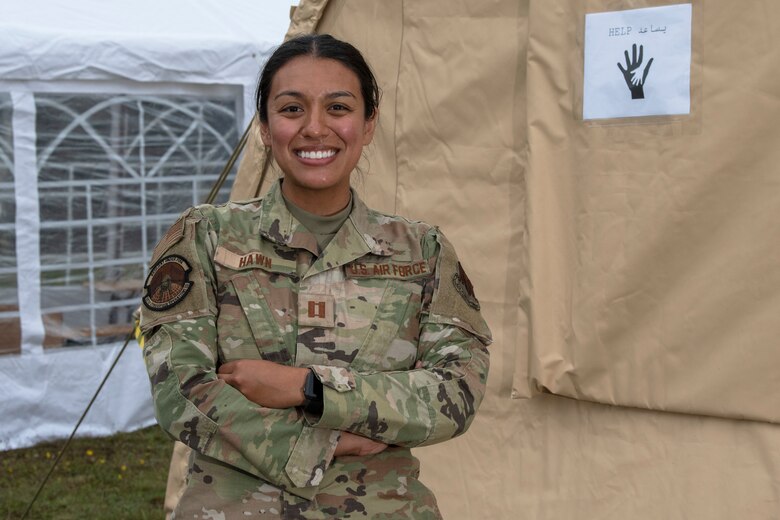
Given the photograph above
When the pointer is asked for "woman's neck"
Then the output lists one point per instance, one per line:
(318, 202)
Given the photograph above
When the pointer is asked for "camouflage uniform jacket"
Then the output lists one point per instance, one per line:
(246, 280)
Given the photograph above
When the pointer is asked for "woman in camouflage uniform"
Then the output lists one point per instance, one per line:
(302, 343)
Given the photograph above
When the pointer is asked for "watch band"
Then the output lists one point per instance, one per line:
(312, 394)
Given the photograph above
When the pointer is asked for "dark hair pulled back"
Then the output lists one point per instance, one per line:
(318, 46)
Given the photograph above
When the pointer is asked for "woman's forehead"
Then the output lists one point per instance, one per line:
(310, 75)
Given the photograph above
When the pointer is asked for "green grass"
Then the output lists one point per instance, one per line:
(117, 477)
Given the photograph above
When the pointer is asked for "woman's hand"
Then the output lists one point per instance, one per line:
(280, 386)
(351, 444)
(266, 383)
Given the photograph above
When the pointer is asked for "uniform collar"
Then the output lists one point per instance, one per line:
(362, 232)
(278, 225)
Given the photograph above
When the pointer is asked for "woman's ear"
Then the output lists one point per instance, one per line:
(369, 127)
(265, 133)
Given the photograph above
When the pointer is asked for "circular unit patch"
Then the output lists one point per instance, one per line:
(167, 284)
(465, 289)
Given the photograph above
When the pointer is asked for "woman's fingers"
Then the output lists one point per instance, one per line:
(226, 368)
(351, 444)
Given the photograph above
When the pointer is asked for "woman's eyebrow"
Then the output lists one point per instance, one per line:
(329, 95)
(292, 93)
(340, 93)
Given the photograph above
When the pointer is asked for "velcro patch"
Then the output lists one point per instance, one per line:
(453, 300)
(316, 310)
(395, 270)
(242, 261)
(464, 287)
(254, 259)
(174, 234)
(167, 284)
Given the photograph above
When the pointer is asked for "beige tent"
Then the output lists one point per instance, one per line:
(627, 264)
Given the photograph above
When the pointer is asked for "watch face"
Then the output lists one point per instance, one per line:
(308, 387)
(312, 393)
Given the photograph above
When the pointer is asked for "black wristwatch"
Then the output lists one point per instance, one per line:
(312, 394)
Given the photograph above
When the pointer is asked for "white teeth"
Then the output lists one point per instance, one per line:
(319, 154)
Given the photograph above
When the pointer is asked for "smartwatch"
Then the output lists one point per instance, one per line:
(312, 394)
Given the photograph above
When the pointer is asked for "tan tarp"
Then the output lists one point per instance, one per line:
(627, 262)
(653, 242)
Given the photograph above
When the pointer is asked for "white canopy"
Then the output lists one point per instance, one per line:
(204, 41)
(176, 48)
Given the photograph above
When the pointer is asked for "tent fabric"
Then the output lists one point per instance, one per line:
(619, 262)
(175, 41)
(305, 17)
(113, 119)
(650, 237)
(47, 393)
(550, 457)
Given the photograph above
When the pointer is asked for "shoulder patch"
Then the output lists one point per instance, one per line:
(167, 284)
(174, 234)
(464, 287)
(453, 299)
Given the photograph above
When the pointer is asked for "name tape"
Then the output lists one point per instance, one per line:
(237, 261)
(387, 270)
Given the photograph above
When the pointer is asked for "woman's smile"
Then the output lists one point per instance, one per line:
(317, 155)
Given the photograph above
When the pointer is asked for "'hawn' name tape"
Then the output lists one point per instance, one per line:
(236, 261)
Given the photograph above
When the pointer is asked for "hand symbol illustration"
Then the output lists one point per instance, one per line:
(631, 72)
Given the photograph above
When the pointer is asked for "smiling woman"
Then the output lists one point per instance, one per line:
(317, 340)
(316, 127)
(318, 104)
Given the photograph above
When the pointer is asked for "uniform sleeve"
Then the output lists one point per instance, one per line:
(430, 404)
(191, 403)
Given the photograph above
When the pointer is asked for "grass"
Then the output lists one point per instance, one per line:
(117, 477)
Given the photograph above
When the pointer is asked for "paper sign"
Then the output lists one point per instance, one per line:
(638, 63)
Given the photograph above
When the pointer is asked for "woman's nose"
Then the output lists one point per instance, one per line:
(315, 125)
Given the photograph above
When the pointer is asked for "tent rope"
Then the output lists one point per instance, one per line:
(130, 336)
(229, 165)
(209, 199)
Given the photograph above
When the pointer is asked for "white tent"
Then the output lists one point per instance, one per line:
(114, 117)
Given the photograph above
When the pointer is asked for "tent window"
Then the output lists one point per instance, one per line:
(9, 305)
(113, 173)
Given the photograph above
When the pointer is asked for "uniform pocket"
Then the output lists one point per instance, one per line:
(215, 486)
(255, 314)
(393, 336)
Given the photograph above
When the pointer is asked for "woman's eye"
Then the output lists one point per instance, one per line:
(291, 109)
(338, 107)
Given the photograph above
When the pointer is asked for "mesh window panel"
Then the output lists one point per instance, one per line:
(10, 339)
(114, 172)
